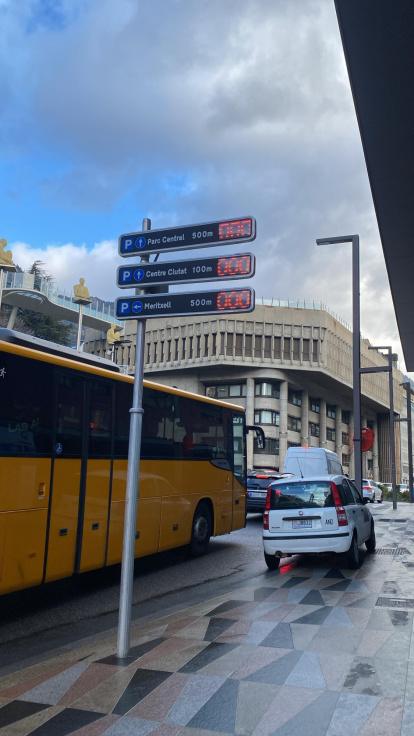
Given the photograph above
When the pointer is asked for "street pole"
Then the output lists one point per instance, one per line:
(356, 349)
(131, 501)
(78, 337)
(356, 362)
(1, 284)
(408, 419)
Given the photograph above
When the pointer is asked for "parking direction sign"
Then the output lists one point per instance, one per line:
(240, 230)
(240, 266)
(175, 305)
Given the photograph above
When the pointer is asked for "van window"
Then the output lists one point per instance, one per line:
(306, 466)
(301, 495)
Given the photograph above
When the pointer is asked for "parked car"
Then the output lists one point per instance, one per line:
(371, 490)
(256, 490)
(311, 461)
(312, 515)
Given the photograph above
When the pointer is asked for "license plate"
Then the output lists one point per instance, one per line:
(253, 494)
(302, 524)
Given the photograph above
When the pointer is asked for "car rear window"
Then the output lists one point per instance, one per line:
(301, 495)
(261, 483)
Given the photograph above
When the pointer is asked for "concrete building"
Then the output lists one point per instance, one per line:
(290, 366)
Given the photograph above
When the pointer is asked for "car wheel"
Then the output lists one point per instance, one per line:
(271, 561)
(201, 530)
(370, 543)
(380, 499)
(352, 556)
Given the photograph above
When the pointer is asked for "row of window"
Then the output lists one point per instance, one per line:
(267, 388)
(237, 345)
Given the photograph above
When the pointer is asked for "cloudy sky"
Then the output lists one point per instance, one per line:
(187, 111)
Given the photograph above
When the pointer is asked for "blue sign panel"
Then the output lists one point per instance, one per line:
(199, 302)
(240, 266)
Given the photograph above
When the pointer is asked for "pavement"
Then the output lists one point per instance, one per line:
(311, 649)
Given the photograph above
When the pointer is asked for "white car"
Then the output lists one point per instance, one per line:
(312, 515)
(371, 490)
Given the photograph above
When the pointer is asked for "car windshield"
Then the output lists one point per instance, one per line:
(303, 494)
(258, 482)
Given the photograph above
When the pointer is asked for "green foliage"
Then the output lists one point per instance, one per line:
(47, 328)
(387, 493)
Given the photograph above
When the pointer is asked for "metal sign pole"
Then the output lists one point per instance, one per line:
(1, 284)
(392, 432)
(131, 501)
(80, 319)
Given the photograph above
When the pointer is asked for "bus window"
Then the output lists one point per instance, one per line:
(100, 420)
(69, 416)
(239, 444)
(25, 406)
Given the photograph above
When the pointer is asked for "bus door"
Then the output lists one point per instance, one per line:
(81, 476)
(238, 445)
(96, 477)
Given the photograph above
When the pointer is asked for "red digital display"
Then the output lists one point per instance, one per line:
(234, 265)
(228, 300)
(235, 229)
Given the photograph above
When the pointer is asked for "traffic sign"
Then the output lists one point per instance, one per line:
(241, 266)
(241, 230)
(175, 305)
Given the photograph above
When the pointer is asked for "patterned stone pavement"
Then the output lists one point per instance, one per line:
(309, 650)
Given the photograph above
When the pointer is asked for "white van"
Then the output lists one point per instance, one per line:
(305, 462)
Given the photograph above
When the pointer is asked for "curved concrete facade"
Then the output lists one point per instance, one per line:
(304, 356)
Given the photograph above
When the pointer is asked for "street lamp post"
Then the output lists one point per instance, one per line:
(356, 350)
(379, 369)
(408, 419)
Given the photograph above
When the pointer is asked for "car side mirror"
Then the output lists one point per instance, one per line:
(260, 435)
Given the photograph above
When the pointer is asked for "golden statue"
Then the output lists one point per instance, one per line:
(81, 292)
(5, 255)
(113, 334)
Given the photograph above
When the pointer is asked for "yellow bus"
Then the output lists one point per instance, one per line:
(64, 427)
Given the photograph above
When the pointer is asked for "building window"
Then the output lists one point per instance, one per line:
(314, 405)
(330, 411)
(315, 351)
(239, 345)
(370, 424)
(345, 417)
(370, 464)
(248, 343)
(176, 349)
(226, 391)
(222, 340)
(214, 344)
(198, 346)
(154, 360)
(293, 444)
(267, 389)
(266, 416)
(268, 347)
(148, 352)
(229, 346)
(345, 438)
(169, 351)
(162, 352)
(277, 347)
(306, 350)
(206, 346)
(346, 459)
(330, 434)
(271, 447)
(257, 346)
(296, 348)
(295, 397)
(294, 423)
(286, 348)
(190, 349)
(314, 429)
(183, 349)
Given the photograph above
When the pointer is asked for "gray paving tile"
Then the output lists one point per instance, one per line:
(219, 713)
(350, 714)
(195, 694)
(51, 691)
(307, 673)
(313, 598)
(291, 582)
(316, 618)
(408, 719)
(212, 652)
(217, 626)
(280, 637)
(258, 631)
(363, 677)
(335, 572)
(127, 726)
(296, 595)
(338, 617)
(276, 672)
(260, 594)
(253, 701)
(312, 720)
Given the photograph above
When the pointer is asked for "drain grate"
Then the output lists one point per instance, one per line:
(384, 520)
(395, 602)
(395, 551)
(395, 521)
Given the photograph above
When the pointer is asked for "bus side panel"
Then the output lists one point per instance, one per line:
(63, 519)
(24, 483)
(148, 515)
(95, 520)
(24, 549)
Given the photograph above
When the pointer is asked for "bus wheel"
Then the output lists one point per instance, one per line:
(201, 530)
